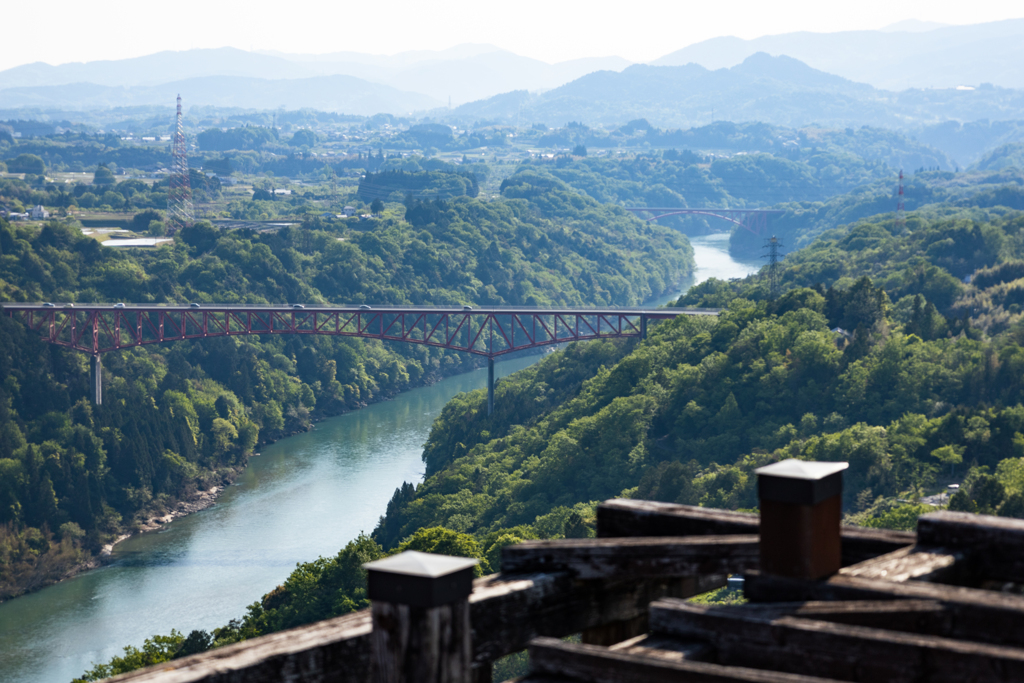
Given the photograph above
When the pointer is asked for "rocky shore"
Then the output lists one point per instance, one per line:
(200, 501)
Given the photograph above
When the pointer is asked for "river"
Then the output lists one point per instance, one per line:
(303, 497)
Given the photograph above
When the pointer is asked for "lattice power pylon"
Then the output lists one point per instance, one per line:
(772, 244)
(179, 194)
(901, 216)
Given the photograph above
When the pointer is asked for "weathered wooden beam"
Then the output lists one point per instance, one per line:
(615, 632)
(859, 543)
(974, 614)
(621, 517)
(507, 611)
(332, 651)
(595, 664)
(633, 518)
(660, 647)
(911, 616)
(995, 544)
(624, 629)
(913, 562)
(635, 558)
(852, 653)
(967, 530)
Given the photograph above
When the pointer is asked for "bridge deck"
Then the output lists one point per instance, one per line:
(651, 313)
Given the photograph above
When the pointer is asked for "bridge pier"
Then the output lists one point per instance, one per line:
(490, 385)
(643, 327)
(96, 379)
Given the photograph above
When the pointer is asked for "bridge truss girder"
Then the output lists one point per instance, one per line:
(97, 329)
(485, 332)
(754, 221)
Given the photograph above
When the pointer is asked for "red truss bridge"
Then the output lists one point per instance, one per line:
(751, 220)
(490, 332)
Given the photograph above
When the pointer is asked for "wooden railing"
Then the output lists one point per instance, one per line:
(602, 587)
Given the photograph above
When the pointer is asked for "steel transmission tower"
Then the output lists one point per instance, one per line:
(901, 217)
(772, 244)
(179, 194)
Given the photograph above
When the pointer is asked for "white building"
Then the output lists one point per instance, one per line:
(38, 213)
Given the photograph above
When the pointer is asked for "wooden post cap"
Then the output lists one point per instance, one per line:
(420, 579)
(800, 481)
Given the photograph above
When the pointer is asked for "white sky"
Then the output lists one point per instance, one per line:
(62, 31)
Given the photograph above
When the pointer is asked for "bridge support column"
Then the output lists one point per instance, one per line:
(490, 386)
(96, 379)
(643, 327)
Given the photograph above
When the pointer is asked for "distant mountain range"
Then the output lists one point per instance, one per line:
(325, 93)
(846, 79)
(896, 58)
(777, 90)
(463, 74)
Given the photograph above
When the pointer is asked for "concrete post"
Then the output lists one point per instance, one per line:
(420, 616)
(490, 386)
(96, 379)
(801, 513)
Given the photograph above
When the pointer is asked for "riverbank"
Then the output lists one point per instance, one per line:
(66, 559)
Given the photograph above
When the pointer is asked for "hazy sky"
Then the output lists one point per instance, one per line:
(551, 30)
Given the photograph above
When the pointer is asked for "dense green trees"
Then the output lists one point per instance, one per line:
(429, 184)
(904, 393)
(303, 137)
(688, 414)
(241, 138)
(125, 195)
(26, 163)
(182, 417)
(931, 193)
(685, 179)
(866, 357)
(103, 176)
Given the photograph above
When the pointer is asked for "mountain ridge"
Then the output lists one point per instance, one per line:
(464, 73)
(344, 94)
(945, 56)
(777, 90)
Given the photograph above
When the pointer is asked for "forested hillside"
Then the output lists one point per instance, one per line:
(872, 145)
(182, 417)
(686, 180)
(808, 172)
(919, 386)
(930, 191)
(876, 353)
(431, 184)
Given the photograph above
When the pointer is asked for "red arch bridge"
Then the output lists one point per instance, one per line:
(490, 332)
(752, 220)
